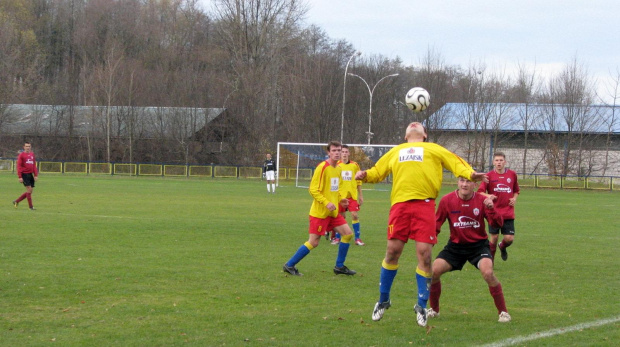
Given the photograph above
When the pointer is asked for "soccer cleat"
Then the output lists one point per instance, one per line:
(379, 310)
(421, 313)
(291, 270)
(32, 208)
(430, 313)
(15, 203)
(504, 317)
(504, 253)
(344, 271)
(359, 242)
(335, 241)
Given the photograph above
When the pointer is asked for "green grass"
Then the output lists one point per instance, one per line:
(159, 262)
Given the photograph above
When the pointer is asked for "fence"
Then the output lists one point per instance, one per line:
(252, 172)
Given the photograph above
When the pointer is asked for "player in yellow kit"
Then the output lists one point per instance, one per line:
(352, 191)
(417, 170)
(325, 189)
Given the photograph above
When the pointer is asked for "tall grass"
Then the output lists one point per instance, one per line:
(159, 262)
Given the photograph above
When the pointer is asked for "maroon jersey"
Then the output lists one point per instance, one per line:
(466, 217)
(504, 186)
(26, 164)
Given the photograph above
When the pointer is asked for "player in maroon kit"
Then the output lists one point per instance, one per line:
(503, 188)
(466, 211)
(27, 173)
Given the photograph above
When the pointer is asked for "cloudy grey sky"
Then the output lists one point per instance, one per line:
(547, 34)
(500, 34)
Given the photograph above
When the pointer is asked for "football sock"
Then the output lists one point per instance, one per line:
(424, 284)
(303, 251)
(29, 197)
(337, 236)
(493, 247)
(388, 272)
(343, 249)
(273, 187)
(498, 297)
(504, 244)
(22, 197)
(356, 228)
(435, 294)
(269, 187)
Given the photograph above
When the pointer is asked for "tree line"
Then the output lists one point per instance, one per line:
(277, 78)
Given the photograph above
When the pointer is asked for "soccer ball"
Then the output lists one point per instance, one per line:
(417, 99)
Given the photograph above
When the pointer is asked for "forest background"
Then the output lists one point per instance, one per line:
(276, 78)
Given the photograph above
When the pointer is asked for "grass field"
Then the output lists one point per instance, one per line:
(131, 261)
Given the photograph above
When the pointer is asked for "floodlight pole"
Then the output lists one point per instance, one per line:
(371, 91)
(344, 90)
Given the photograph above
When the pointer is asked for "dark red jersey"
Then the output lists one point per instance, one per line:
(466, 217)
(26, 164)
(504, 186)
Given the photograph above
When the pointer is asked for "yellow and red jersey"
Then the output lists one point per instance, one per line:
(324, 188)
(349, 183)
(417, 170)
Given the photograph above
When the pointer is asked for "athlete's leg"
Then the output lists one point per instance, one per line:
(304, 250)
(495, 287)
(440, 267)
(423, 271)
(343, 248)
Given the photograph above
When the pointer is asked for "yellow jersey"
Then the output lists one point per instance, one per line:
(417, 170)
(349, 183)
(324, 188)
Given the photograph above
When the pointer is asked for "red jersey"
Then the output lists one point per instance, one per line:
(504, 186)
(26, 164)
(466, 217)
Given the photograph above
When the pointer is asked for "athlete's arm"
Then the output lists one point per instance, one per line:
(315, 187)
(440, 216)
(512, 201)
(495, 219)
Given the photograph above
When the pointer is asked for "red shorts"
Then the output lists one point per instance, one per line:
(414, 219)
(353, 206)
(320, 226)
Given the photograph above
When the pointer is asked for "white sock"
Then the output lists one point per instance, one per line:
(273, 187)
(268, 187)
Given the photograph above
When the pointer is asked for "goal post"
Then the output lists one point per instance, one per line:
(299, 160)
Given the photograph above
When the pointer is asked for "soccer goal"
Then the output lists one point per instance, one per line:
(296, 161)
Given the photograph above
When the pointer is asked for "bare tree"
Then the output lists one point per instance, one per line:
(612, 118)
(573, 91)
(526, 88)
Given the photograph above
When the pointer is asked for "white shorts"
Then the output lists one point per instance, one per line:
(270, 175)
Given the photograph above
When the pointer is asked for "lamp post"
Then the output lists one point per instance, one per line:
(371, 91)
(344, 90)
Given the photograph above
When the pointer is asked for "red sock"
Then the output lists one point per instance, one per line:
(498, 296)
(435, 294)
(22, 197)
(493, 247)
(29, 197)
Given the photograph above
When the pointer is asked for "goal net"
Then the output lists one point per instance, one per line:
(296, 162)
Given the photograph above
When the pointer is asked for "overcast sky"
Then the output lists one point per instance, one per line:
(498, 33)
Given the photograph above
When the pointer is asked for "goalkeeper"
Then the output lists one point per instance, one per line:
(269, 173)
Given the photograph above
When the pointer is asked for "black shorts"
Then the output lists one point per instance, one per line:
(457, 254)
(507, 229)
(28, 179)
